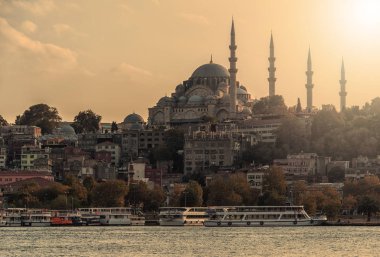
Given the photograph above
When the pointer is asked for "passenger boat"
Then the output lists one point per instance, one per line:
(183, 216)
(12, 216)
(115, 216)
(35, 218)
(66, 218)
(3, 222)
(259, 216)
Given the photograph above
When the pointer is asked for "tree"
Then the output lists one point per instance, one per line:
(114, 127)
(230, 190)
(86, 121)
(154, 200)
(175, 140)
(336, 174)
(270, 105)
(368, 204)
(299, 107)
(192, 196)
(274, 180)
(292, 136)
(89, 183)
(3, 122)
(109, 194)
(137, 193)
(76, 188)
(40, 115)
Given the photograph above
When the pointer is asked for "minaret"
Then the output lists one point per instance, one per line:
(233, 72)
(342, 92)
(271, 69)
(309, 85)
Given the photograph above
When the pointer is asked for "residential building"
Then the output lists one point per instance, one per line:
(112, 148)
(30, 153)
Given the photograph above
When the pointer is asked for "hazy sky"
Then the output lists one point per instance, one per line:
(120, 56)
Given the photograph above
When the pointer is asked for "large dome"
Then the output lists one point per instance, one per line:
(133, 118)
(210, 70)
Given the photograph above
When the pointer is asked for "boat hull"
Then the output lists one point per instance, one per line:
(266, 223)
(35, 224)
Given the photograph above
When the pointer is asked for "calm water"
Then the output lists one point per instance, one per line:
(185, 241)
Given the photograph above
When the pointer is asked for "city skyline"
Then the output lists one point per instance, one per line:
(71, 56)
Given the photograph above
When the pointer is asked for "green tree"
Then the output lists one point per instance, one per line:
(270, 105)
(109, 194)
(137, 193)
(86, 121)
(292, 135)
(368, 204)
(299, 107)
(40, 115)
(3, 122)
(89, 183)
(336, 174)
(114, 127)
(175, 140)
(155, 199)
(192, 196)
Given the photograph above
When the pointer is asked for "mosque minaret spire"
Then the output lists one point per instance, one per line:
(272, 69)
(233, 71)
(342, 92)
(309, 84)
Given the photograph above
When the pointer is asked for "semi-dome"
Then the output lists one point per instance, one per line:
(164, 101)
(195, 99)
(210, 70)
(133, 118)
(182, 99)
(241, 91)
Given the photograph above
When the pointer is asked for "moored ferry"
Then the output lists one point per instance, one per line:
(36, 218)
(66, 218)
(12, 216)
(115, 216)
(3, 222)
(259, 216)
(183, 216)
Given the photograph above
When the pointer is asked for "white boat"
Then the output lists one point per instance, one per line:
(12, 216)
(115, 216)
(36, 218)
(182, 216)
(3, 222)
(259, 216)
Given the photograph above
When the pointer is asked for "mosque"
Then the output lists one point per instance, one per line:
(211, 91)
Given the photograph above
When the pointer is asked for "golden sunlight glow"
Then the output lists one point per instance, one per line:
(366, 13)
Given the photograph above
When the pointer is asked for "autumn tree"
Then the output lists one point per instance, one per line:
(231, 190)
(274, 187)
(109, 194)
(86, 121)
(40, 115)
(192, 196)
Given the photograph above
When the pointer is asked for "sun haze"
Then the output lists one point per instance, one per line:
(116, 57)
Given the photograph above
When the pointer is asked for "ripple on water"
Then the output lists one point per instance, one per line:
(190, 241)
